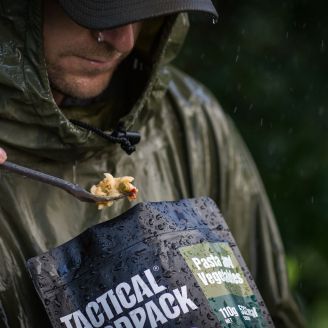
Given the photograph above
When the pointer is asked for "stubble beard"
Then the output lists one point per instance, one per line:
(84, 84)
(75, 87)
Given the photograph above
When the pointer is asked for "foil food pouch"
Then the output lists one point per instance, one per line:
(167, 264)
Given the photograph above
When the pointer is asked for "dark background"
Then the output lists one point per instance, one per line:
(266, 62)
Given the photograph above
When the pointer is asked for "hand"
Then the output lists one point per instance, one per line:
(3, 156)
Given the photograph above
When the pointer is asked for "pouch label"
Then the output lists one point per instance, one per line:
(224, 284)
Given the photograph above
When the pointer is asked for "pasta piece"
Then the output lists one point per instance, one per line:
(114, 187)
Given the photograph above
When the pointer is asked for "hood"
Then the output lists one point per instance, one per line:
(30, 120)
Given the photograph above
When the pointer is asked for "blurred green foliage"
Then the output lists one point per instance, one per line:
(266, 61)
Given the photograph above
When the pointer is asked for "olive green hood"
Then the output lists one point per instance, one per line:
(30, 120)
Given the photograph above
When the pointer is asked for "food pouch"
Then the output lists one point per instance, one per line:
(166, 264)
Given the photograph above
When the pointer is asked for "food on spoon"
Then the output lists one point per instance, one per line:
(114, 187)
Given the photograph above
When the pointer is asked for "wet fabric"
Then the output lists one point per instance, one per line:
(165, 264)
(189, 148)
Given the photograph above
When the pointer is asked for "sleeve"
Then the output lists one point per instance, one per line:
(221, 167)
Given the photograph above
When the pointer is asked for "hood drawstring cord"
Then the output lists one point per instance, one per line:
(127, 139)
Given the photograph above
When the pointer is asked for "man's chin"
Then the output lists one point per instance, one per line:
(85, 94)
(82, 88)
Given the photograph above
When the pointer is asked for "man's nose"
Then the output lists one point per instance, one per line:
(121, 38)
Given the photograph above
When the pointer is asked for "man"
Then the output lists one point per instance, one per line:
(77, 76)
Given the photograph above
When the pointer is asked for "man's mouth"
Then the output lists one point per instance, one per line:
(99, 63)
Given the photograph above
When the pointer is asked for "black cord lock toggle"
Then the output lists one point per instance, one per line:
(127, 139)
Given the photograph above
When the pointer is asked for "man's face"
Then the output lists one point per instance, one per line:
(77, 64)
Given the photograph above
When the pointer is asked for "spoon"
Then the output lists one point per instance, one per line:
(73, 189)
